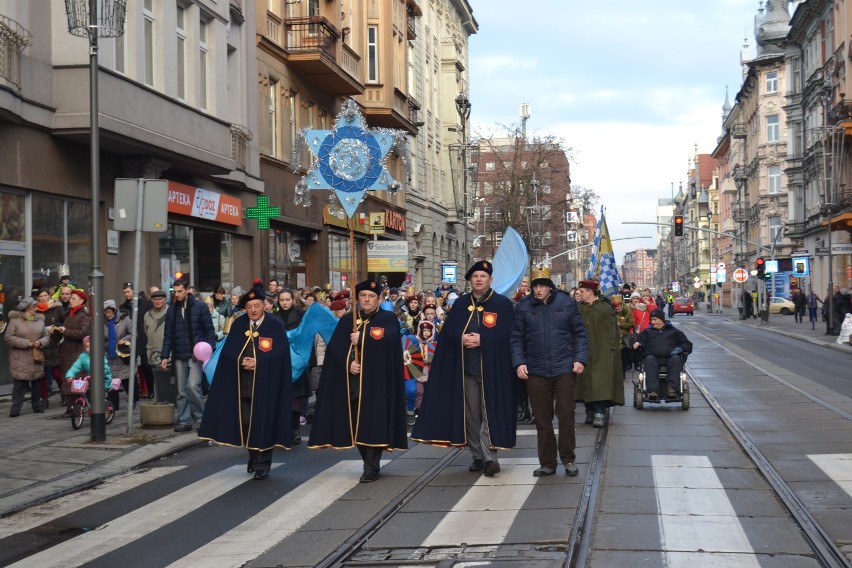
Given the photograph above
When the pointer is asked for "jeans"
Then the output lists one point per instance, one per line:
(190, 405)
(410, 394)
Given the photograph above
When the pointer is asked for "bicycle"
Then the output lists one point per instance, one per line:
(81, 405)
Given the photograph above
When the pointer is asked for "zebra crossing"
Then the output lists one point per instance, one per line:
(694, 511)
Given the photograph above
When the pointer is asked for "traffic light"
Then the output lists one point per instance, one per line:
(678, 222)
(760, 265)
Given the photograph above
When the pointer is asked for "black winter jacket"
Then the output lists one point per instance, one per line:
(176, 337)
(662, 342)
(548, 337)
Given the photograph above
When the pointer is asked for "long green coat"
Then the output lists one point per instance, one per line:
(603, 379)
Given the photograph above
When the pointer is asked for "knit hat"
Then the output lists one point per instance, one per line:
(81, 294)
(635, 295)
(24, 304)
(659, 314)
(109, 305)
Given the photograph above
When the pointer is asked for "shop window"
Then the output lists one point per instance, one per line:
(61, 235)
(287, 258)
(12, 219)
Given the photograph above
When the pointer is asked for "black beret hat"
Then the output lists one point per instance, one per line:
(257, 292)
(371, 286)
(482, 265)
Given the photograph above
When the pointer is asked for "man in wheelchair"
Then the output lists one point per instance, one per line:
(664, 346)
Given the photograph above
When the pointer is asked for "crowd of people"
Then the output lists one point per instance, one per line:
(459, 369)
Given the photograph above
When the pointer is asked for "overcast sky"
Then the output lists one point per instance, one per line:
(630, 85)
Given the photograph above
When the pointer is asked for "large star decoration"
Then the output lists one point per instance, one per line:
(350, 158)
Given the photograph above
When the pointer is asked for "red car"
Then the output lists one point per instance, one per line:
(683, 306)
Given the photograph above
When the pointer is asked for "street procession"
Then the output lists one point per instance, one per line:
(286, 284)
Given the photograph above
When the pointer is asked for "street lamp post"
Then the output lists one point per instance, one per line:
(85, 21)
(463, 108)
(740, 180)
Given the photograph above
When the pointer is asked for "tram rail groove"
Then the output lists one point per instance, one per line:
(354, 543)
(825, 404)
(825, 550)
(577, 545)
(579, 540)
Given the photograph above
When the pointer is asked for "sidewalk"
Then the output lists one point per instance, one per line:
(42, 457)
(784, 325)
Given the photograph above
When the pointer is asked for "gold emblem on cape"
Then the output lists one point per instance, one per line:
(377, 332)
(489, 319)
(265, 344)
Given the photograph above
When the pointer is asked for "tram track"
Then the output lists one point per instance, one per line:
(576, 546)
(826, 552)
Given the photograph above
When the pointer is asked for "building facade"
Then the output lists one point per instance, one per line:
(640, 268)
(819, 120)
(174, 104)
(439, 75)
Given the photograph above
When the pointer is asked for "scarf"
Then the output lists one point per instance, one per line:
(112, 340)
(73, 311)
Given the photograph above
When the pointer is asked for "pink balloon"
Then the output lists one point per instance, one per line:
(202, 351)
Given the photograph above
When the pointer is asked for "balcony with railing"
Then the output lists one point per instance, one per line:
(401, 111)
(13, 39)
(240, 137)
(314, 47)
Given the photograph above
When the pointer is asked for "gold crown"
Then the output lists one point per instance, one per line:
(540, 272)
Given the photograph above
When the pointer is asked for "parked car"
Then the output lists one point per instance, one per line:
(781, 306)
(683, 306)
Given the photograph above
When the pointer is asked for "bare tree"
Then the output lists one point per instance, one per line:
(524, 183)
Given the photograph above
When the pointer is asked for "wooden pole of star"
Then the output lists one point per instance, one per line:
(352, 281)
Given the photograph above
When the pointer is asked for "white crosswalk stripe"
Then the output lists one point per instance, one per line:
(501, 496)
(836, 466)
(48, 512)
(136, 524)
(276, 522)
(695, 514)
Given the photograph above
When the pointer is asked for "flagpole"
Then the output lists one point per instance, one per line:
(352, 282)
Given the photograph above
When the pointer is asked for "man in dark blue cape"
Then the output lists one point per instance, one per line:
(361, 396)
(471, 396)
(250, 395)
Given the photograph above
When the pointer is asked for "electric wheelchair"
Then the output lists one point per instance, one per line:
(640, 392)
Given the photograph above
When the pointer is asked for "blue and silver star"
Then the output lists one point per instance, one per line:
(350, 158)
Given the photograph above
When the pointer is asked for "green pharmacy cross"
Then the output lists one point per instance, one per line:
(263, 212)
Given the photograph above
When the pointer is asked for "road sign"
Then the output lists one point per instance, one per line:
(721, 266)
(696, 279)
(696, 285)
(740, 275)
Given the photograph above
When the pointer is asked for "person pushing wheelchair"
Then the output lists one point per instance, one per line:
(664, 346)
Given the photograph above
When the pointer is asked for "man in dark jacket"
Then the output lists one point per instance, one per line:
(550, 347)
(664, 346)
(188, 322)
